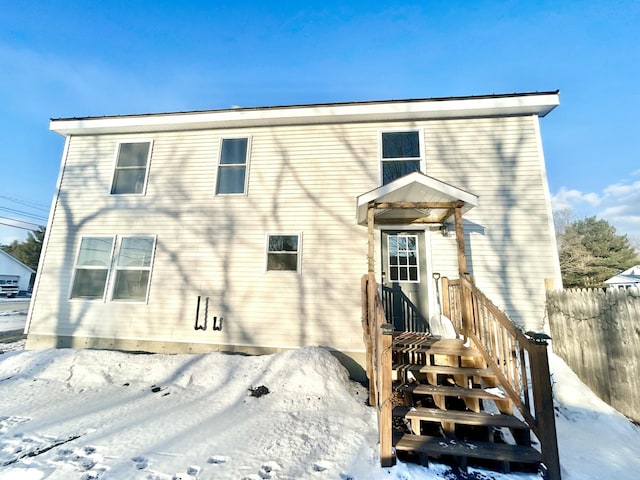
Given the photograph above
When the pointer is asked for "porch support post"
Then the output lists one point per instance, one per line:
(462, 256)
(371, 239)
(465, 294)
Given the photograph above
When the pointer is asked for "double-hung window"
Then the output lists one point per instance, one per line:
(232, 166)
(132, 165)
(125, 274)
(133, 268)
(401, 154)
(283, 252)
(92, 268)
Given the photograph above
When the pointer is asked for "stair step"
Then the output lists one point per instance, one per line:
(460, 417)
(443, 346)
(438, 350)
(422, 389)
(472, 449)
(416, 336)
(444, 369)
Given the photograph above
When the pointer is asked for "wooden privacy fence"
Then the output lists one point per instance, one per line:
(597, 332)
(521, 363)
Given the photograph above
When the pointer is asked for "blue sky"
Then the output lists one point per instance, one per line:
(82, 58)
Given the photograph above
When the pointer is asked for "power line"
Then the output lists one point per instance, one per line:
(17, 226)
(26, 203)
(23, 213)
(20, 221)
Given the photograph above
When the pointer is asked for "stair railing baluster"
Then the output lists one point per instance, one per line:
(501, 343)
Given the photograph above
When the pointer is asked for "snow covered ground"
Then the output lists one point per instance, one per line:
(13, 313)
(83, 414)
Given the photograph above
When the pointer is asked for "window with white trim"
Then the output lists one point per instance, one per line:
(403, 258)
(401, 154)
(232, 166)
(132, 162)
(133, 268)
(126, 272)
(92, 268)
(283, 252)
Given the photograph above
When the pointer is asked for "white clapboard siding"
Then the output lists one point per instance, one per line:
(510, 244)
(301, 179)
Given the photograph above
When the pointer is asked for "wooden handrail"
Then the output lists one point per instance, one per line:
(378, 339)
(520, 363)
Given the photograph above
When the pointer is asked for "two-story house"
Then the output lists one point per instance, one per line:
(247, 229)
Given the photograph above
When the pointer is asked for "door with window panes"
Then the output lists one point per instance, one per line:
(404, 275)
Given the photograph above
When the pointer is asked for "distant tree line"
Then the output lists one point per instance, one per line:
(28, 251)
(591, 251)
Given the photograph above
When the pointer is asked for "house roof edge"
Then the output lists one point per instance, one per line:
(539, 103)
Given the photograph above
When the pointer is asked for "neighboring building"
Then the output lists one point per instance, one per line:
(627, 279)
(246, 229)
(15, 276)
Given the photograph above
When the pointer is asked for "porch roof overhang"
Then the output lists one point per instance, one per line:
(414, 199)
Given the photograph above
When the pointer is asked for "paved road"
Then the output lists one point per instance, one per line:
(14, 305)
(11, 336)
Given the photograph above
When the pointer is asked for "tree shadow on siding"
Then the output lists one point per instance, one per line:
(220, 234)
(503, 167)
(78, 218)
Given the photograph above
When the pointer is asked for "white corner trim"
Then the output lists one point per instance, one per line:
(547, 197)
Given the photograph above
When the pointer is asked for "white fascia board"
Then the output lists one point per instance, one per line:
(448, 192)
(311, 114)
(431, 183)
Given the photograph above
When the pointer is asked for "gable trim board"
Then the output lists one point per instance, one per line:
(311, 170)
(414, 188)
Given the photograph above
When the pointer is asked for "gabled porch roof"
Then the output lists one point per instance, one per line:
(414, 198)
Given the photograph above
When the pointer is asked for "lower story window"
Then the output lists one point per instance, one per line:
(96, 261)
(283, 252)
(133, 268)
(92, 267)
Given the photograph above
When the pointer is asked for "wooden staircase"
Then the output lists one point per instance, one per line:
(485, 402)
(442, 392)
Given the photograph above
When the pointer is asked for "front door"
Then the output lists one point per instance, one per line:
(404, 276)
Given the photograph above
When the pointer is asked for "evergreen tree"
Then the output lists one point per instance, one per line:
(28, 252)
(591, 251)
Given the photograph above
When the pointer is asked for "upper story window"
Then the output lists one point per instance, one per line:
(402, 153)
(232, 166)
(132, 164)
(283, 252)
